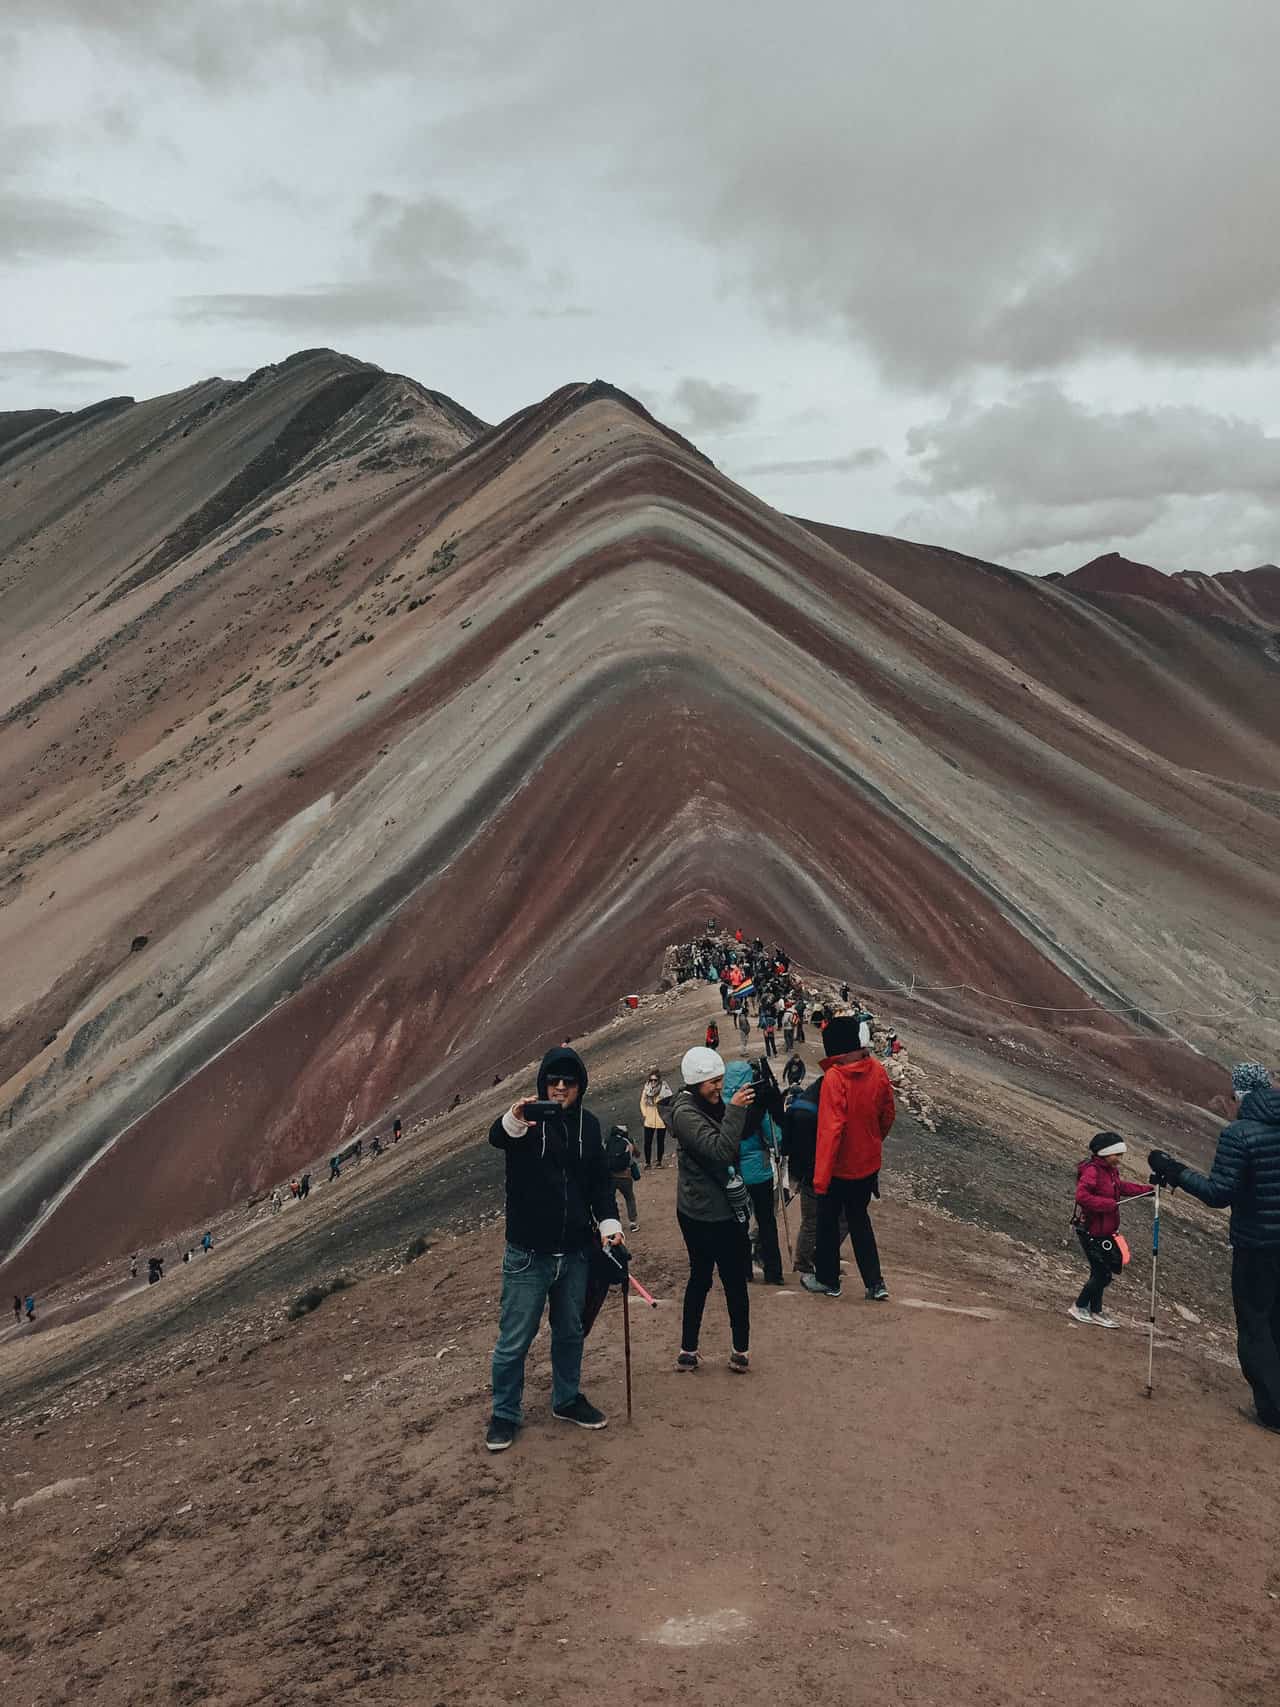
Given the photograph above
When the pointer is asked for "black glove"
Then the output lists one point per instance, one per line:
(1166, 1169)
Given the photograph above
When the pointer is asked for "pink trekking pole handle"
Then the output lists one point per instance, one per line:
(647, 1296)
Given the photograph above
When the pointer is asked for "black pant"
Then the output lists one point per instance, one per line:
(762, 1201)
(1255, 1292)
(1100, 1277)
(770, 1047)
(853, 1196)
(715, 1245)
(650, 1133)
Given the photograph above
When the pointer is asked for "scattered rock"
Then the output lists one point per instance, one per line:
(54, 1491)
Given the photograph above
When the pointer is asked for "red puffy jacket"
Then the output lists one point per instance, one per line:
(855, 1112)
(1099, 1189)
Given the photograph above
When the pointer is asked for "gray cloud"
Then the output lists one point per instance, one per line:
(1041, 472)
(407, 233)
(854, 463)
(1041, 446)
(36, 227)
(361, 305)
(234, 41)
(949, 187)
(53, 364)
(418, 259)
(703, 406)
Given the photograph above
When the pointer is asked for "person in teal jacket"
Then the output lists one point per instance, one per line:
(756, 1155)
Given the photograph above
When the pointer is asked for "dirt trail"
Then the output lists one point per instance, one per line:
(959, 1496)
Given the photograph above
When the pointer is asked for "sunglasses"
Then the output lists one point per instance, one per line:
(552, 1079)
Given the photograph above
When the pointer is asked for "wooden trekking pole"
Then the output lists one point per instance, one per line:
(626, 1341)
(1155, 1263)
(786, 1225)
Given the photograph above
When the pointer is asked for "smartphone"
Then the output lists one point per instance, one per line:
(540, 1110)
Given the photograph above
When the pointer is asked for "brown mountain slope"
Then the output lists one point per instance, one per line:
(1196, 689)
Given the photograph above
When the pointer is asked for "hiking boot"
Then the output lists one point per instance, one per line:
(1101, 1320)
(811, 1283)
(635, 1226)
(1079, 1315)
(688, 1360)
(739, 1362)
(500, 1434)
(879, 1293)
(582, 1412)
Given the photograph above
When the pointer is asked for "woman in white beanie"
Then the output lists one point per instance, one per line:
(712, 1205)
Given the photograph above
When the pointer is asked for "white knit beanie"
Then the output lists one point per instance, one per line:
(701, 1064)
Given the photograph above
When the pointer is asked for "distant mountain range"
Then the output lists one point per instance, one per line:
(354, 748)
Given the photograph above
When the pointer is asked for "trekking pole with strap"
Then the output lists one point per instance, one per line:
(1155, 1263)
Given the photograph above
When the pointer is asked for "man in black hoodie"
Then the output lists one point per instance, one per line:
(560, 1203)
(1246, 1176)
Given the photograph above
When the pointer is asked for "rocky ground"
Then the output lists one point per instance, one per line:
(958, 1496)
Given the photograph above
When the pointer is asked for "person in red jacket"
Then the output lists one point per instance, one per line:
(855, 1113)
(1099, 1193)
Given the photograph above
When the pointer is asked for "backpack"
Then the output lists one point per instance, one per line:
(618, 1153)
(800, 1132)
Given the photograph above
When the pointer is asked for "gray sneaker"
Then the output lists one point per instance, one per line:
(879, 1293)
(811, 1283)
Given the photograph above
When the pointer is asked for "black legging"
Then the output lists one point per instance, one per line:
(650, 1133)
(1100, 1277)
(762, 1201)
(716, 1245)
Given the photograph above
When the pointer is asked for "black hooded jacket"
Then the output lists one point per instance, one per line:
(1246, 1173)
(557, 1175)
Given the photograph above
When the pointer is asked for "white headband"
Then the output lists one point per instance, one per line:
(1116, 1149)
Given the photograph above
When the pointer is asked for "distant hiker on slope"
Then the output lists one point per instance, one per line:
(769, 1026)
(17, 1308)
(713, 1036)
(654, 1090)
(31, 1306)
(1099, 1194)
(756, 1155)
(788, 1026)
(795, 1070)
(620, 1153)
(1246, 1176)
(560, 1202)
(855, 1112)
(744, 1024)
(712, 1205)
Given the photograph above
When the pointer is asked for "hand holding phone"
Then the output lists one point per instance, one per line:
(534, 1110)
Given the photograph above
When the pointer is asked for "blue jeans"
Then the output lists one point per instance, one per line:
(529, 1279)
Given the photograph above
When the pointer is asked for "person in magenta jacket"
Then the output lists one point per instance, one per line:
(1099, 1194)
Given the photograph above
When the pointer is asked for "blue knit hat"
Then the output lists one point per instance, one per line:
(1249, 1076)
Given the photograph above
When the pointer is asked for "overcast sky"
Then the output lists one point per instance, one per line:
(1001, 275)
